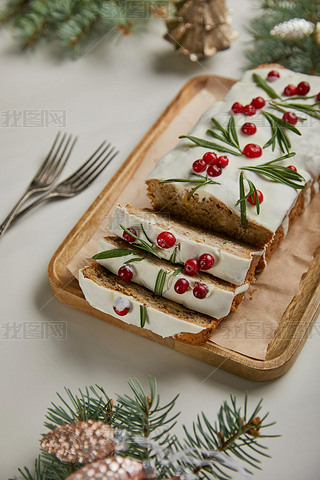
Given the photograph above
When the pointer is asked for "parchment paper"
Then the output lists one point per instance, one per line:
(249, 329)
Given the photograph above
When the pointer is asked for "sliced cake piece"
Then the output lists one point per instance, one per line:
(220, 256)
(257, 139)
(200, 292)
(136, 305)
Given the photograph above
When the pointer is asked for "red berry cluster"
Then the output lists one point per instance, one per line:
(193, 265)
(302, 89)
(211, 163)
(251, 108)
(200, 290)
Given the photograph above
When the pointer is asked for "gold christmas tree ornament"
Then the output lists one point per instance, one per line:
(200, 28)
(80, 442)
(112, 468)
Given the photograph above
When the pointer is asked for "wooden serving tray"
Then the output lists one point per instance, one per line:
(299, 316)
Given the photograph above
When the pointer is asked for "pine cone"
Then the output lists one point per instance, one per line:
(112, 468)
(81, 442)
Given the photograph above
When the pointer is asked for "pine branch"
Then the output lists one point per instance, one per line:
(209, 450)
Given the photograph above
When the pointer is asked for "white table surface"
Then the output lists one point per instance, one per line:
(116, 91)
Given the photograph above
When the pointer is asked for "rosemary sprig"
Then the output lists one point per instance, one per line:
(228, 136)
(160, 282)
(243, 198)
(200, 181)
(116, 252)
(143, 315)
(278, 173)
(278, 134)
(301, 107)
(265, 86)
(207, 144)
(142, 245)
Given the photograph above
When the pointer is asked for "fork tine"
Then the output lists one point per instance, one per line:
(60, 163)
(47, 159)
(78, 172)
(102, 165)
(58, 156)
(54, 155)
(93, 165)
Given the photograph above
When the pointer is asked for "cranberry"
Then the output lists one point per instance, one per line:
(166, 240)
(290, 117)
(252, 150)
(292, 167)
(237, 107)
(252, 198)
(128, 238)
(199, 166)
(290, 90)
(249, 128)
(121, 306)
(318, 97)
(258, 102)
(223, 161)
(181, 286)
(209, 157)
(206, 261)
(214, 170)
(303, 88)
(200, 290)
(249, 110)
(273, 76)
(125, 273)
(191, 267)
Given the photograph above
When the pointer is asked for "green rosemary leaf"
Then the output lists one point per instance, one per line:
(193, 191)
(279, 159)
(160, 282)
(207, 144)
(220, 127)
(272, 140)
(143, 315)
(218, 137)
(264, 85)
(254, 194)
(233, 131)
(181, 180)
(177, 271)
(116, 252)
(144, 233)
(283, 141)
(135, 259)
(242, 201)
(173, 257)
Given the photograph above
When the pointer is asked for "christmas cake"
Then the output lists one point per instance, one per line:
(252, 162)
(178, 242)
(183, 284)
(137, 306)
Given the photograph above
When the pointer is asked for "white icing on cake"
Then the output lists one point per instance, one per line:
(216, 304)
(228, 266)
(159, 322)
(278, 198)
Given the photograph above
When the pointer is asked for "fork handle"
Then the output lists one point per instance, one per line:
(14, 212)
(33, 204)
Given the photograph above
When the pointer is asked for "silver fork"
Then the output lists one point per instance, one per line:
(78, 180)
(47, 174)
